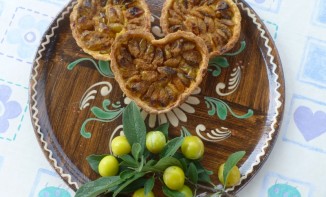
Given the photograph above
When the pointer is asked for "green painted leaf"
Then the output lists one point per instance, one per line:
(164, 128)
(192, 173)
(99, 186)
(74, 63)
(216, 71)
(83, 130)
(211, 107)
(171, 193)
(106, 115)
(220, 61)
(171, 147)
(105, 104)
(222, 110)
(242, 47)
(94, 160)
(149, 185)
(232, 161)
(133, 126)
(105, 69)
(135, 150)
(247, 115)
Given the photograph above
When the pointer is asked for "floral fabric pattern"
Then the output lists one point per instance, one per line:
(26, 35)
(8, 109)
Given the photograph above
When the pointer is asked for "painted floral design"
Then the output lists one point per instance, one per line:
(26, 35)
(283, 190)
(174, 116)
(111, 110)
(54, 192)
(8, 109)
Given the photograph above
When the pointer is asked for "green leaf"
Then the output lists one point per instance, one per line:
(133, 126)
(171, 193)
(128, 182)
(184, 163)
(202, 169)
(185, 131)
(165, 162)
(151, 162)
(232, 161)
(146, 154)
(162, 164)
(192, 173)
(99, 186)
(126, 174)
(171, 147)
(204, 178)
(139, 183)
(164, 128)
(105, 69)
(128, 161)
(135, 150)
(149, 184)
(203, 173)
(94, 160)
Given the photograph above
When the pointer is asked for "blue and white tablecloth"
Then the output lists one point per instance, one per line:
(297, 164)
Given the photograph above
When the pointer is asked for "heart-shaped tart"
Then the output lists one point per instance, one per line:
(158, 74)
(217, 22)
(96, 23)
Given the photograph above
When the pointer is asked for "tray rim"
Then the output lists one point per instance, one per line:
(277, 70)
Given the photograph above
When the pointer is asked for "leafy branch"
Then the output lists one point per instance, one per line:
(140, 168)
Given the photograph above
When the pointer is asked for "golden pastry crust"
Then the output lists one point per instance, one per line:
(217, 22)
(158, 74)
(96, 23)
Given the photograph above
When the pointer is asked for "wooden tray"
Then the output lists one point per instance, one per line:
(237, 107)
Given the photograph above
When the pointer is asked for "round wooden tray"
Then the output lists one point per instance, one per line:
(239, 105)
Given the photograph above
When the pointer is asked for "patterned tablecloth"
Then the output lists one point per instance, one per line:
(296, 166)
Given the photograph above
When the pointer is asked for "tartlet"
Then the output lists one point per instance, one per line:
(158, 74)
(217, 22)
(96, 23)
